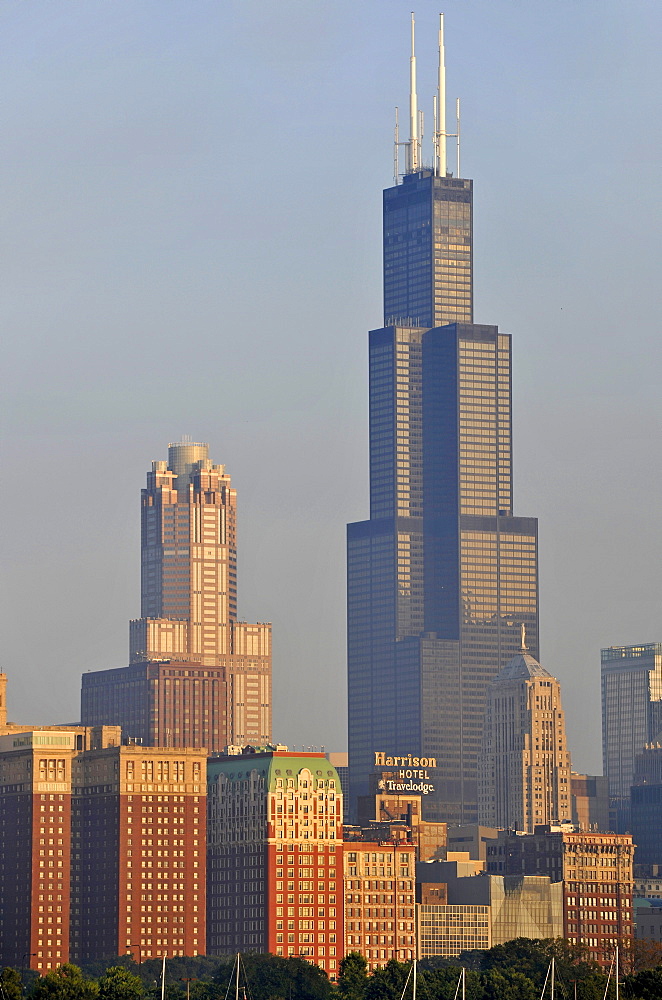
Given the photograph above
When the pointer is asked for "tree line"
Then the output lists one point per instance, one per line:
(512, 971)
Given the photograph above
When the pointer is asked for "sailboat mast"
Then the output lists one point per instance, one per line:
(413, 992)
(552, 955)
(163, 979)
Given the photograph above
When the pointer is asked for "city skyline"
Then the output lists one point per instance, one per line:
(111, 183)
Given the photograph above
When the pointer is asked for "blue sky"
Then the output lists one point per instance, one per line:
(190, 242)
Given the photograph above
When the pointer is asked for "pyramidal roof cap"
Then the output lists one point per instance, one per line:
(522, 665)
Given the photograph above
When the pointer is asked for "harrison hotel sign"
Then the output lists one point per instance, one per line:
(412, 773)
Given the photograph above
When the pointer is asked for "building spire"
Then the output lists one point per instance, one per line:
(414, 140)
(440, 127)
(524, 648)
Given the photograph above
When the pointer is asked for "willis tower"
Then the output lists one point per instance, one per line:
(442, 575)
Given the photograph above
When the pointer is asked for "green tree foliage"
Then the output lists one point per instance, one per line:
(118, 983)
(353, 976)
(532, 957)
(267, 977)
(11, 987)
(67, 982)
(442, 984)
(646, 985)
(388, 982)
(507, 984)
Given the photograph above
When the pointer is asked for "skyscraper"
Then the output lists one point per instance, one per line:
(197, 676)
(442, 575)
(631, 718)
(524, 772)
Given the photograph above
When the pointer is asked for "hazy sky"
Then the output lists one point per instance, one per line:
(191, 243)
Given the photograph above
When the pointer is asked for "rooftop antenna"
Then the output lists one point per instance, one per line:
(457, 114)
(413, 148)
(396, 149)
(440, 125)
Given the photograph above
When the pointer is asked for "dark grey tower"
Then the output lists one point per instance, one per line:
(442, 575)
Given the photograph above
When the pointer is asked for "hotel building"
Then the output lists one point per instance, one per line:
(275, 855)
(102, 850)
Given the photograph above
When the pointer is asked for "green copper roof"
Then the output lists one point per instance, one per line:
(272, 766)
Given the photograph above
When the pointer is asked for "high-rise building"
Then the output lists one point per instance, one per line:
(631, 718)
(590, 801)
(275, 855)
(524, 773)
(138, 845)
(197, 676)
(442, 575)
(103, 849)
(646, 809)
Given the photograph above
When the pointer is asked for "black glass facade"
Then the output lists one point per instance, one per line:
(442, 575)
(428, 247)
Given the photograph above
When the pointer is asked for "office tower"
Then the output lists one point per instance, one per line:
(442, 575)
(631, 718)
(389, 930)
(275, 862)
(646, 809)
(197, 676)
(524, 773)
(138, 842)
(35, 848)
(590, 801)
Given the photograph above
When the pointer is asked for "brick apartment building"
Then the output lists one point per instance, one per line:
(110, 852)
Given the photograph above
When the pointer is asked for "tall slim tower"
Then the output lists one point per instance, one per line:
(442, 575)
(197, 676)
(524, 772)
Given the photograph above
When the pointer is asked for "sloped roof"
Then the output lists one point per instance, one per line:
(522, 665)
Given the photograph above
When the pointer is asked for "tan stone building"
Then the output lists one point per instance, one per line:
(197, 675)
(380, 901)
(524, 771)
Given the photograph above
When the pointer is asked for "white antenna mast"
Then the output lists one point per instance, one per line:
(412, 165)
(440, 128)
(396, 150)
(457, 112)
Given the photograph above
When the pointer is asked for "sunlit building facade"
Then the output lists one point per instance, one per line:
(443, 574)
(524, 772)
(428, 250)
(197, 676)
(596, 870)
(380, 900)
(275, 861)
